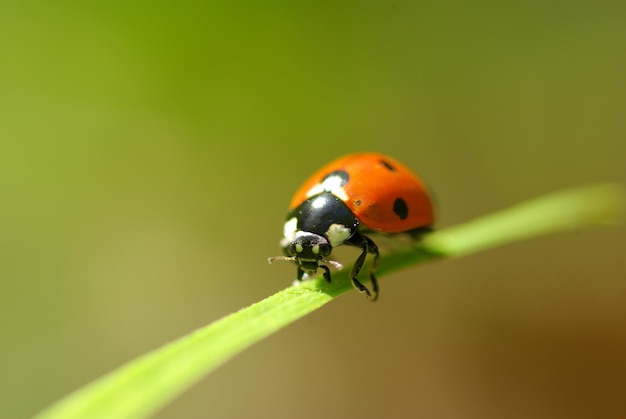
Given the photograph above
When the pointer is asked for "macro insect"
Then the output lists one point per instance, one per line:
(345, 201)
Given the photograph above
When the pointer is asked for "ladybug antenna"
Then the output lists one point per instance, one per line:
(288, 258)
(334, 263)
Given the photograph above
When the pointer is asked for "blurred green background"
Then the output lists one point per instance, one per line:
(148, 151)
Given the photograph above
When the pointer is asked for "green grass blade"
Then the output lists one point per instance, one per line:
(566, 210)
(142, 386)
(146, 384)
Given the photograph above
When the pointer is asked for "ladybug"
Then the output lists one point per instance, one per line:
(344, 201)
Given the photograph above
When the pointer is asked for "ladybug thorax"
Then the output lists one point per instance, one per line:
(317, 225)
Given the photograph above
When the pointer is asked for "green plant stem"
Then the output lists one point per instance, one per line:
(146, 384)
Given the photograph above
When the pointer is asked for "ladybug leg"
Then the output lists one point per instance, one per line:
(367, 246)
(326, 272)
(300, 273)
(373, 249)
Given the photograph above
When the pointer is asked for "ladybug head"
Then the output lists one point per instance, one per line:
(308, 251)
(308, 247)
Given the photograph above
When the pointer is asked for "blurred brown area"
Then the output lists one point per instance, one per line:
(148, 152)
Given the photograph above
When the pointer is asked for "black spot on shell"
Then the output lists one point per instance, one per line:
(357, 202)
(341, 174)
(400, 208)
(388, 165)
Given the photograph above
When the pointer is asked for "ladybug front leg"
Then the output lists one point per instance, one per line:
(326, 270)
(300, 273)
(367, 246)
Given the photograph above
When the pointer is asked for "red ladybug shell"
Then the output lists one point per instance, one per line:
(383, 193)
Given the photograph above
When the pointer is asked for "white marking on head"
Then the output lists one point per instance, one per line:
(290, 229)
(319, 202)
(332, 184)
(337, 234)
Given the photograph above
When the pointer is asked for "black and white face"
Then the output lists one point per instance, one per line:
(308, 250)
